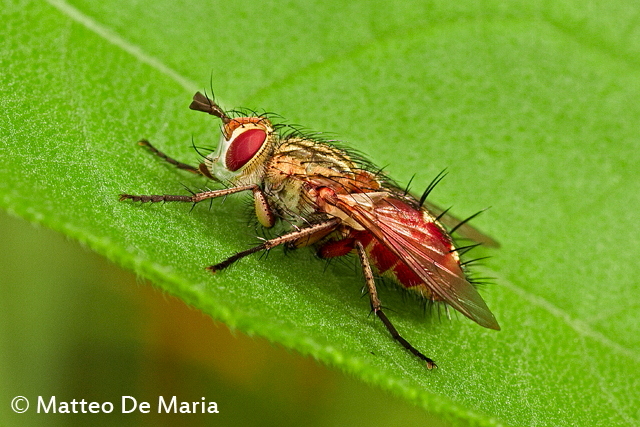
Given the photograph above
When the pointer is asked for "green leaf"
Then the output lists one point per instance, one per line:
(532, 107)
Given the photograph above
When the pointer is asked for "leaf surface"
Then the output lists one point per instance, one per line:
(532, 107)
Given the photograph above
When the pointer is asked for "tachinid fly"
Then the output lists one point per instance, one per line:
(339, 203)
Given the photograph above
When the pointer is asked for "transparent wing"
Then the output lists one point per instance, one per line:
(405, 231)
(465, 230)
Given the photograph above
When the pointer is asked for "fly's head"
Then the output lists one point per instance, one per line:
(245, 144)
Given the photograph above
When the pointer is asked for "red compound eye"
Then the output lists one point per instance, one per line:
(244, 147)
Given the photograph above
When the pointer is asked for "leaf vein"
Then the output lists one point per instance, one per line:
(107, 34)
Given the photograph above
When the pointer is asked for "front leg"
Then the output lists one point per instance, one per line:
(194, 198)
(264, 213)
(162, 155)
(200, 170)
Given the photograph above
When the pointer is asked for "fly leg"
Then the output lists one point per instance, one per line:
(171, 160)
(268, 244)
(200, 170)
(263, 211)
(194, 198)
(376, 306)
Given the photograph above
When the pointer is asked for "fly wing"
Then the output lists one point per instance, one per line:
(397, 226)
(465, 230)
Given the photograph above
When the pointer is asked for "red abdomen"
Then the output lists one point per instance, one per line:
(420, 230)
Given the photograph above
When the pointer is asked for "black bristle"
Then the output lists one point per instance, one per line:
(464, 221)
(432, 185)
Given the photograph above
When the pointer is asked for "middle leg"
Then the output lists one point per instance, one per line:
(376, 306)
(268, 244)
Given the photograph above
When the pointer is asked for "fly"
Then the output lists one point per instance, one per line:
(341, 204)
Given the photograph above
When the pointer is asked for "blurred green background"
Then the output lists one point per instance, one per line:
(74, 325)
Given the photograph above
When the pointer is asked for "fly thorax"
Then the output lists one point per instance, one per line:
(286, 198)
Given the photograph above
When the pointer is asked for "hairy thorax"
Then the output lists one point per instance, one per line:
(298, 168)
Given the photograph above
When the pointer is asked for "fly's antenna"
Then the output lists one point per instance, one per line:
(203, 103)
